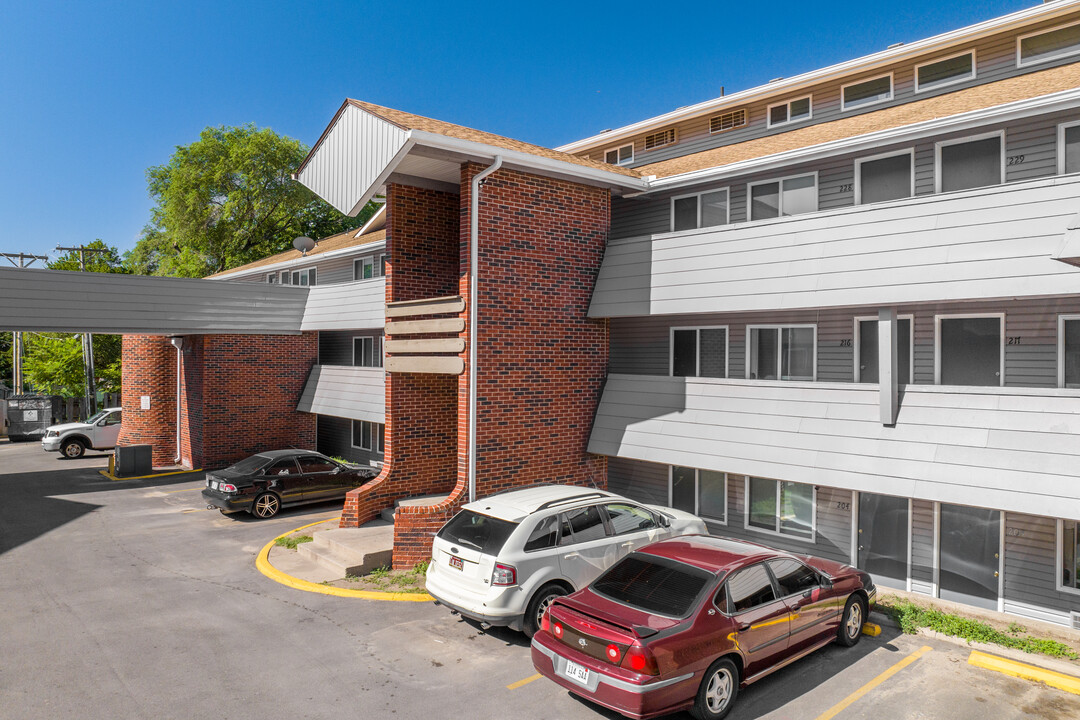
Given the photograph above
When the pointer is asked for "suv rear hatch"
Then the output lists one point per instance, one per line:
(465, 549)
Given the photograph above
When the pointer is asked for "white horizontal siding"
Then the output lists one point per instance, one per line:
(977, 244)
(346, 306)
(356, 393)
(955, 445)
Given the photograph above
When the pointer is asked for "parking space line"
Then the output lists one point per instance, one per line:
(843, 704)
(526, 681)
(1068, 683)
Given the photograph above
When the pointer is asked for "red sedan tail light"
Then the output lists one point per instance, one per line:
(640, 660)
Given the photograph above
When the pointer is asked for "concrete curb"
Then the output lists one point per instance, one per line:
(114, 478)
(1062, 681)
(262, 563)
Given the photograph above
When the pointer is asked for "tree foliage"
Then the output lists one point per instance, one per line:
(228, 199)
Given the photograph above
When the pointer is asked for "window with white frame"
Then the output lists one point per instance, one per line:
(366, 268)
(1068, 555)
(272, 278)
(787, 196)
(1069, 351)
(1048, 45)
(305, 277)
(946, 71)
(885, 177)
(382, 265)
(969, 350)
(790, 111)
(781, 352)
(368, 436)
(366, 352)
(706, 209)
(701, 492)
(970, 162)
(620, 156)
(699, 352)
(867, 368)
(781, 507)
(1069, 147)
(866, 92)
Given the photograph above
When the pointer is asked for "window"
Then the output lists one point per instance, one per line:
(653, 584)
(701, 492)
(626, 518)
(786, 196)
(866, 350)
(699, 352)
(382, 265)
(113, 419)
(790, 111)
(866, 92)
(792, 576)
(969, 350)
(946, 71)
(750, 588)
(366, 353)
(1069, 148)
(314, 464)
(728, 121)
(581, 525)
(885, 177)
(544, 535)
(660, 139)
(305, 277)
(1048, 45)
(779, 352)
(970, 162)
(283, 467)
(272, 278)
(368, 436)
(707, 209)
(620, 155)
(781, 507)
(1069, 351)
(1069, 555)
(365, 268)
(486, 534)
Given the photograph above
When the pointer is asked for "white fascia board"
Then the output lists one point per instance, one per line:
(1065, 100)
(380, 181)
(297, 262)
(516, 158)
(377, 218)
(866, 63)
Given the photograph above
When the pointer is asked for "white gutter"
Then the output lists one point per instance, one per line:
(296, 262)
(1064, 100)
(474, 257)
(969, 34)
(178, 343)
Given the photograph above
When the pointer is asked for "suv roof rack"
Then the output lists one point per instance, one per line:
(572, 498)
(515, 489)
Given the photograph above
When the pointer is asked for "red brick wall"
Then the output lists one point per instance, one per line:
(149, 368)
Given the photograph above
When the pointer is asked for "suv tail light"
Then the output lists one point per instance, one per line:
(640, 660)
(504, 575)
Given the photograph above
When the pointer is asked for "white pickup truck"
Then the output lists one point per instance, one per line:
(99, 432)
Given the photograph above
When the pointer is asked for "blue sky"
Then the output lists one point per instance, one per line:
(94, 93)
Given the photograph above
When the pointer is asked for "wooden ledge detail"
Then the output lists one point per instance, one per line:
(433, 365)
(428, 306)
(436, 345)
(419, 327)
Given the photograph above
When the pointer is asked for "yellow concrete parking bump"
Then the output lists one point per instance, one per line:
(871, 629)
(1068, 683)
(112, 477)
(843, 704)
(262, 562)
(526, 681)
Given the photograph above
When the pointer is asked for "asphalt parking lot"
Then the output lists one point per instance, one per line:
(130, 600)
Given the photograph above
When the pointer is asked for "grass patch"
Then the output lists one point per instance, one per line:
(910, 617)
(292, 542)
(386, 580)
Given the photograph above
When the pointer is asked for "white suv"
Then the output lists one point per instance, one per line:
(503, 559)
(99, 432)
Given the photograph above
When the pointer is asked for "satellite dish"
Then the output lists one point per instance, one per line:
(303, 244)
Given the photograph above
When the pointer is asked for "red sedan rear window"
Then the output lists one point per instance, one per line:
(653, 584)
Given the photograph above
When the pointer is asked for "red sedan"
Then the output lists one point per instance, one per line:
(683, 624)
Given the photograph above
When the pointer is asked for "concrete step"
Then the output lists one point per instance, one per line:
(388, 513)
(351, 551)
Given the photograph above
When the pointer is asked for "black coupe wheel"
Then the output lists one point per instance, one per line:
(851, 623)
(73, 449)
(266, 506)
(717, 692)
(539, 604)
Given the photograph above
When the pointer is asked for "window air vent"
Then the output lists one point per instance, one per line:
(660, 139)
(728, 121)
(1075, 620)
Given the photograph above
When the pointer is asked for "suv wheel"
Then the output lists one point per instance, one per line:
(73, 449)
(539, 605)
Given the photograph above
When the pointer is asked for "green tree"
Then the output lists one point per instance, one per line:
(228, 199)
(6, 359)
(53, 362)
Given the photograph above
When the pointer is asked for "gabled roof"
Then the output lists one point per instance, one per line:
(341, 241)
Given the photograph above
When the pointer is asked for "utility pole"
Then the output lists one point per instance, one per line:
(24, 261)
(87, 338)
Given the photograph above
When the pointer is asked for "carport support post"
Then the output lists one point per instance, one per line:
(888, 366)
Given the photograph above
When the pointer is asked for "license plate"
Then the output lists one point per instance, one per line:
(577, 673)
(455, 562)
(213, 485)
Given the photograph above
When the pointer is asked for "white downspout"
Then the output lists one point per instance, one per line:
(474, 237)
(178, 343)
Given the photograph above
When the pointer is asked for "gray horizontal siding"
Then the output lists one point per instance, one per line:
(360, 304)
(357, 393)
(62, 301)
(995, 60)
(922, 543)
(1030, 566)
(1008, 448)
(335, 439)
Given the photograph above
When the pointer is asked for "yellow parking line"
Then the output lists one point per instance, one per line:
(112, 477)
(526, 681)
(843, 704)
(1068, 683)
